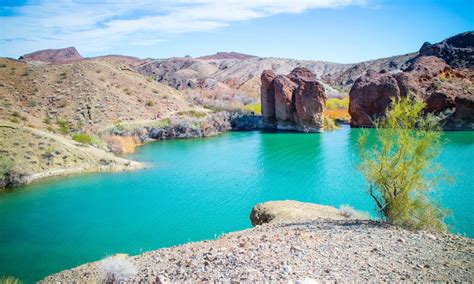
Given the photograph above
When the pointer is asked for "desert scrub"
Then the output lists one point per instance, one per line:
(9, 280)
(337, 108)
(192, 113)
(32, 103)
(63, 126)
(150, 103)
(163, 122)
(117, 270)
(329, 123)
(254, 108)
(121, 144)
(6, 166)
(83, 138)
(399, 165)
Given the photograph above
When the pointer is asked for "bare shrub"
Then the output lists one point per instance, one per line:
(117, 270)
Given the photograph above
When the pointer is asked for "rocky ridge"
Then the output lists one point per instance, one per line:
(61, 55)
(457, 51)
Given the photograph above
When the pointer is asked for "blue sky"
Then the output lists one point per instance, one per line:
(333, 30)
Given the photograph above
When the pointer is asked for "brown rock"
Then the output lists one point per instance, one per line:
(370, 96)
(284, 104)
(290, 210)
(292, 102)
(428, 78)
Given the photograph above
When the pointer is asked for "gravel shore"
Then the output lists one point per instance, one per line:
(335, 250)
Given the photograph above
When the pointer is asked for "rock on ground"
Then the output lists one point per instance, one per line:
(290, 210)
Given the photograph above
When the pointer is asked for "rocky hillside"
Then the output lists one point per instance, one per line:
(87, 93)
(446, 86)
(61, 55)
(243, 75)
(457, 51)
(34, 154)
(45, 107)
(314, 249)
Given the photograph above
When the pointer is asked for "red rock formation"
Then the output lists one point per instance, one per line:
(292, 102)
(53, 55)
(428, 77)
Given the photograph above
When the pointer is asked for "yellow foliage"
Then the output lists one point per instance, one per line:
(335, 103)
(255, 108)
(122, 144)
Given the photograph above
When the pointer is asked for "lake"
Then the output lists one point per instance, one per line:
(194, 190)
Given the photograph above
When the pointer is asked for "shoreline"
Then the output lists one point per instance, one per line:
(316, 250)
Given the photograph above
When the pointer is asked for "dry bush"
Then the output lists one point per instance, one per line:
(117, 270)
(121, 144)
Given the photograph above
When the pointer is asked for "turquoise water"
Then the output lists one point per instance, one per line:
(193, 190)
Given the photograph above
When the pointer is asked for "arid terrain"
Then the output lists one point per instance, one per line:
(114, 103)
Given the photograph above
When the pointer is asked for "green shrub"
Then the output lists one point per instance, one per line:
(163, 122)
(63, 126)
(83, 138)
(399, 166)
(335, 103)
(192, 113)
(32, 103)
(5, 167)
(150, 79)
(3, 65)
(150, 103)
(254, 108)
(9, 280)
(329, 123)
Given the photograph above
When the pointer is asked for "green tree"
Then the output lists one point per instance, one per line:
(399, 165)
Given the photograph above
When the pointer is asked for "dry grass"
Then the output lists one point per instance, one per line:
(121, 144)
(342, 114)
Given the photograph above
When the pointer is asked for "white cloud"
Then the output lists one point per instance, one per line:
(95, 27)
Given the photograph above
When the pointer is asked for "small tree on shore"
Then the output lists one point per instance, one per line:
(399, 165)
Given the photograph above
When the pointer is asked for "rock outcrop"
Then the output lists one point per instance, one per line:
(53, 55)
(427, 77)
(292, 102)
(290, 210)
(457, 51)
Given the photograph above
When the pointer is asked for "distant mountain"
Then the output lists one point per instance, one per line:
(227, 55)
(53, 55)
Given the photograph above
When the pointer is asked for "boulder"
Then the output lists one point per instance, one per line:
(292, 102)
(370, 96)
(290, 210)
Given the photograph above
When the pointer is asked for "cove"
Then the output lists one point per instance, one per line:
(194, 190)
